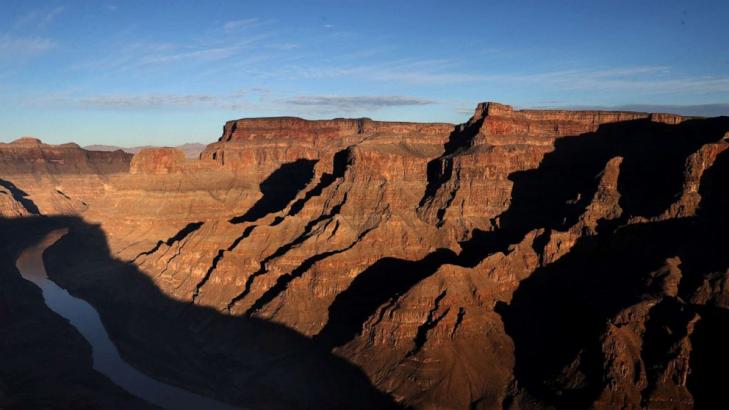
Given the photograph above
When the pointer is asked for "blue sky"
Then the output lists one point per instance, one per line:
(162, 72)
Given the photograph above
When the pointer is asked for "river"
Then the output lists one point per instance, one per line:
(106, 357)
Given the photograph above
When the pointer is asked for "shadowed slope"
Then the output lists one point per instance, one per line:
(552, 196)
(46, 363)
(562, 308)
(239, 360)
(279, 189)
(20, 196)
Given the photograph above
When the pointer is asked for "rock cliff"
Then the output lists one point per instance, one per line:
(523, 259)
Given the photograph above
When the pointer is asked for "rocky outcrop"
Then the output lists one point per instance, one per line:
(523, 259)
(158, 161)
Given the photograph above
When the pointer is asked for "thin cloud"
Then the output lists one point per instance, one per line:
(208, 54)
(283, 46)
(256, 98)
(443, 72)
(38, 19)
(242, 24)
(126, 102)
(142, 55)
(645, 80)
(699, 110)
(19, 48)
(126, 57)
(654, 80)
(352, 103)
(409, 71)
(147, 101)
(242, 98)
(625, 71)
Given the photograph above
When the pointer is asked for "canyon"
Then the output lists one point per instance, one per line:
(524, 259)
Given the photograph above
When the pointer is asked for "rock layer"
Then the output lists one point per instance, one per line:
(524, 259)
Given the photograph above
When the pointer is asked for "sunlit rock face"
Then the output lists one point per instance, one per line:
(522, 259)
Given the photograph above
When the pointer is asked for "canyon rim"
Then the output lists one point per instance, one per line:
(523, 259)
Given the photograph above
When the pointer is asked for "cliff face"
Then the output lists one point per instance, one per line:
(258, 146)
(57, 177)
(29, 155)
(522, 259)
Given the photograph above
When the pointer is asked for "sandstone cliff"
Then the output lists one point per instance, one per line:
(524, 259)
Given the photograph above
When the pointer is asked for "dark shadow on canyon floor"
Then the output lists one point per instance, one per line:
(243, 361)
(46, 363)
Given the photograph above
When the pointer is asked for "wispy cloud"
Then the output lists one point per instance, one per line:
(203, 54)
(38, 19)
(113, 102)
(239, 99)
(636, 80)
(353, 103)
(283, 46)
(14, 48)
(700, 110)
(256, 98)
(23, 40)
(242, 24)
(652, 80)
(409, 71)
(146, 55)
(444, 71)
(147, 101)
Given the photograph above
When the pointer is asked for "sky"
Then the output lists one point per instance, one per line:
(162, 72)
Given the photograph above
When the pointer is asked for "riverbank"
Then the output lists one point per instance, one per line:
(106, 358)
(46, 363)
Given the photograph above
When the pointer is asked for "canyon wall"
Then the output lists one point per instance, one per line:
(523, 259)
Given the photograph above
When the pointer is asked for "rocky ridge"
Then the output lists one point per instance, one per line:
(523, 259)
(191, 150)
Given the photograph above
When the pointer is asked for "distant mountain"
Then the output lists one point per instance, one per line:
(191, 150)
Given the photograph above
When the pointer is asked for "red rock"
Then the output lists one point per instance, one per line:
(158, 161)
(416, 251)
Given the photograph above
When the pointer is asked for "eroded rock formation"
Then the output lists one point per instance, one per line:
(524, 259)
